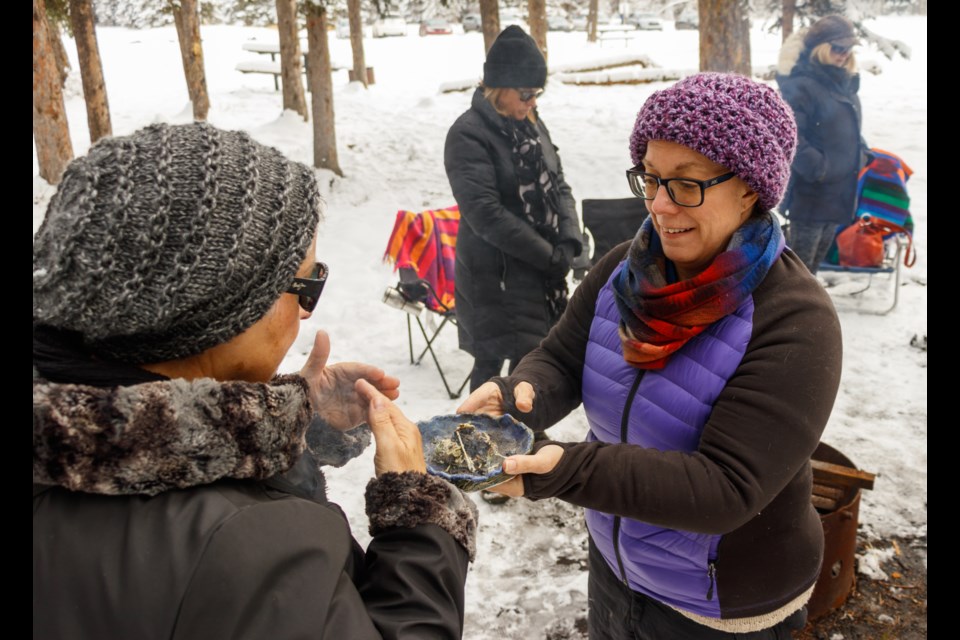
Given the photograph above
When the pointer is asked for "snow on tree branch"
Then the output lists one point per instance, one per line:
(886, 46)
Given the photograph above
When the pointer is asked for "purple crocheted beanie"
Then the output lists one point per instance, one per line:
(734, 121)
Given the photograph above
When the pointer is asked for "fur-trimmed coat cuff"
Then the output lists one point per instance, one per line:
(410, 499)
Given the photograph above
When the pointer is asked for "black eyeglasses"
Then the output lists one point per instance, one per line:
(686, 192)
(526, 95)
(838, 50)
(308, 290)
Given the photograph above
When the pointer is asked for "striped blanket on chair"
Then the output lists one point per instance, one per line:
(882, 195)
(426, 242)
(882, 190)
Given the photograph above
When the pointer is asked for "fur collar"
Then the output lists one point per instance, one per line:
(172, 434)
(790, 52)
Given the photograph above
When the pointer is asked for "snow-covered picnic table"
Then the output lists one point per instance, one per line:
(608, 32)
(273, 66)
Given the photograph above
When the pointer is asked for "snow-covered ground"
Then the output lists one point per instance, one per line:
(528, 578)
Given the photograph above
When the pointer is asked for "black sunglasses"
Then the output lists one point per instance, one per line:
(526, 95)
(308, 290)
(839, 50)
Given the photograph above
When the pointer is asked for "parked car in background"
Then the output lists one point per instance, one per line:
(343, 28)
(471, 22)
(559, 23)
(389, 25)
(645, 21)
(687, 21)
(435, 26)
(580, 22)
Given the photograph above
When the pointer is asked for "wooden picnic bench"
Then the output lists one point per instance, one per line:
(610, 32)
(272, 67)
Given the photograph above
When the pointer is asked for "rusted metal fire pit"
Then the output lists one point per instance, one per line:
(836, 495)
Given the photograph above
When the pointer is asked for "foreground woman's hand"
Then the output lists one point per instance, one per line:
(543, 461)
(399, 447)
(332, 391)
(488, 399)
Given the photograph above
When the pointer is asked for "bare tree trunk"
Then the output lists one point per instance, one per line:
(60, 53)
(593, 14)
(320, 81)
(291, 58)
(786, 21)
(187, 20)
(489, 22)
(51, 133)
(356, 41)
(537, 19)
(725, 36)
(91, 70)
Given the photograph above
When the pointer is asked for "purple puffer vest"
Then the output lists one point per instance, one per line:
(667, 411)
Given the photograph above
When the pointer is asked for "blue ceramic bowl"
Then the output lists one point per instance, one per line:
(504, 436)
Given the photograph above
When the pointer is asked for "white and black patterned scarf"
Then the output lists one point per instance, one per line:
(540, 195)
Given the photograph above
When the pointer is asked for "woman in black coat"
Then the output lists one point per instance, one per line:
(178, 490)
(519, 230)
(817, 77)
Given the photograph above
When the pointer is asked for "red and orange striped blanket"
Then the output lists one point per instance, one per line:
(426, 242)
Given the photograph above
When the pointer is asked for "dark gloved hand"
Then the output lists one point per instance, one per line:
(561, 260)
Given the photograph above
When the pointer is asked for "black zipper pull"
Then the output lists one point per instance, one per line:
(712, 573)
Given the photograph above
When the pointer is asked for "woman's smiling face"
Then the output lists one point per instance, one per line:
(693, 236)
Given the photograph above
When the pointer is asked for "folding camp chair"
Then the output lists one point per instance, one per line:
(612, 221)
(422, 247)
(882, 196)
(893, 250)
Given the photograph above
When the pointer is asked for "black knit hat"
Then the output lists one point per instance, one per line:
(514, 61)
(833, 29)
(164, 243)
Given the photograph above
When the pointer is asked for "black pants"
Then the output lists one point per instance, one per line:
(483, 370)
(616, 612)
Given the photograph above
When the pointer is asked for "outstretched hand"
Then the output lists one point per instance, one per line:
(487, 399)
(543, 461)
(399, 445)
(333, 393)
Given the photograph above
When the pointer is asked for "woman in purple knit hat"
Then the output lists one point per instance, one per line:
(695, 472)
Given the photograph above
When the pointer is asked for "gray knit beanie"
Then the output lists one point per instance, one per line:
(169, 241)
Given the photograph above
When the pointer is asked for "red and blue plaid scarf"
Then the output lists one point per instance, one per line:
(658, 318)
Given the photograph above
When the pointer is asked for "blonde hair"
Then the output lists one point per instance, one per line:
(821, 54)
(492, 95)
